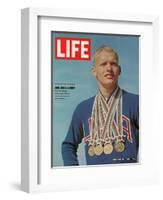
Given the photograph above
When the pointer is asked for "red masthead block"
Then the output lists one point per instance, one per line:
(72, 48)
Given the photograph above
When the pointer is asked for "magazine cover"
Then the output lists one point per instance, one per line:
(95, 99)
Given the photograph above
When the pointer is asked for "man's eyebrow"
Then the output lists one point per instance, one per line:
(103, 62)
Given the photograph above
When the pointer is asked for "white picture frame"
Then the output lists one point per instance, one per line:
(36, 171)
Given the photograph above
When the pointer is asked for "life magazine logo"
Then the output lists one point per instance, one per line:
(72, 48)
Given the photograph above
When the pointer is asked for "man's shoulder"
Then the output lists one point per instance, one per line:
(130, 96)
(126, 93)
(86, 102)
(85, 105)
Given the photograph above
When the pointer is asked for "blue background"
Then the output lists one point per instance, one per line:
(79, 72)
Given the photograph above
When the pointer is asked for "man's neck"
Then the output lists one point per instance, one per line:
(107, 91)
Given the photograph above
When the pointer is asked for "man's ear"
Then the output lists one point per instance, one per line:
(120, 71)
(93, 70)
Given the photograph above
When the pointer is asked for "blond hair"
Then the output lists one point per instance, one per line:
(107, 49)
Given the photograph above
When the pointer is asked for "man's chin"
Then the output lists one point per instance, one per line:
(109, 84)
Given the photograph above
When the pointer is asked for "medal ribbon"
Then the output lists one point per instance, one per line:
(103, 114)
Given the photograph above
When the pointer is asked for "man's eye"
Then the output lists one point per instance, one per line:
(113, 63)
(103, 64)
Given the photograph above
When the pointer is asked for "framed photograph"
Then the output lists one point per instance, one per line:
(87, 80)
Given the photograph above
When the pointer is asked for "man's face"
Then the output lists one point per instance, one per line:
(106, 69)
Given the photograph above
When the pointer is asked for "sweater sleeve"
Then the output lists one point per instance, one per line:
(136, 113)
(136, 119)
(72, 140)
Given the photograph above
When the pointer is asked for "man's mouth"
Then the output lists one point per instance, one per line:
(109, 75)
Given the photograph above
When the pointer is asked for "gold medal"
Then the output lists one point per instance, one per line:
(108, 148)
(91, 151)
(119, 147)
(98, 149)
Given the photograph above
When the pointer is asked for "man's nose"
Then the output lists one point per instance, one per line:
(108, 66)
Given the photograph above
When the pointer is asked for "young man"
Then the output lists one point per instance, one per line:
(108, 123)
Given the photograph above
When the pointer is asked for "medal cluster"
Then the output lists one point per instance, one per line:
(107, 130)
(106, 149)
